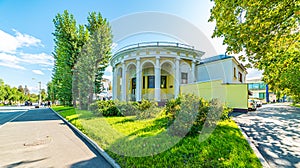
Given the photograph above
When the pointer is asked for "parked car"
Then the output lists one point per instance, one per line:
(251, 104)
(258, 102)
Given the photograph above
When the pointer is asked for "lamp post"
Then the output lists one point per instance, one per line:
(40, 92)
(40, 96)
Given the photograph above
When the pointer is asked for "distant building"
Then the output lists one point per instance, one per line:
(260, 90)
(106, 84)
(106, 93)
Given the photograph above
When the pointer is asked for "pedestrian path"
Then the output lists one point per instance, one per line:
(39, 138)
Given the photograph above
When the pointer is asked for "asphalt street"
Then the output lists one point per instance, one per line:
(39, 138)
(275, 131)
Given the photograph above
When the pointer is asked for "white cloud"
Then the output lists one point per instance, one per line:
(11, 57)
(10, 43)
(25, 40)
(39, 72)
(41, 59)
(10, 61)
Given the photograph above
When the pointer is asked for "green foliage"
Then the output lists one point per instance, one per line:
(145, 104)
(268, 32)
(106, 108)
(151, 112)
(93, 58)
(80, 53)
(66, 50)
(188, 113)
(147, 109)
(51, 92)
(225, 147)
(127, 108)
(143, 110)
(12, 95)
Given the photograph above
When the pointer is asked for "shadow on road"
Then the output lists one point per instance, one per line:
(46, 114)
(23, 163)
(94, 162)
(276, 132)
(37, 115)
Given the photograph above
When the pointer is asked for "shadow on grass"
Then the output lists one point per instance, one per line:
(125, 120)
(158, 124)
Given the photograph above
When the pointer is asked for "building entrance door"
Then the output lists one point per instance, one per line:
(133, 88)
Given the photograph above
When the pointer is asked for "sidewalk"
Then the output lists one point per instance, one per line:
(39, 138)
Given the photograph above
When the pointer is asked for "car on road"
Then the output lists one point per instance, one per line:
(258, 102)
(251, 104)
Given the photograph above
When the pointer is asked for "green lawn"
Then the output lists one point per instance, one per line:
(123, 136)
(297, 105)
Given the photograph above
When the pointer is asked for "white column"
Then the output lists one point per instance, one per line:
(123, 82)
(177, 77)
(157, 79)
(115, 85)
(138, 80)
(193, 71)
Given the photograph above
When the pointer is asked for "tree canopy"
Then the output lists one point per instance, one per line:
(80, 52)
(268, 33)
(12, 95)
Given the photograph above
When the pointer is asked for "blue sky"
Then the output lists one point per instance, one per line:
(26, 40)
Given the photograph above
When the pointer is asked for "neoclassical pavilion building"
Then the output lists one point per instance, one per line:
(153, 70)
(161, 70)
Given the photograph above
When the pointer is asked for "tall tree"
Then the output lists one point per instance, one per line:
(26, 93)
(2, 91)
(51, 92)
(100, 30)
(66, 51)
(94, 57)
(21, 89)
(268, 32)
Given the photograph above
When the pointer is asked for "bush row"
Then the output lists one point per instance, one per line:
(187, 114)
(142, 110)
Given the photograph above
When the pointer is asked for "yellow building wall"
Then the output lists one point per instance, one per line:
(233, 95)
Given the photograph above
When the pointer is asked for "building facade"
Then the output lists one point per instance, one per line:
(153, 71)
(160, 71)
(221, 67)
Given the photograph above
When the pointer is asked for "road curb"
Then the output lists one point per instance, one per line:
(110, 160)
(262, 160)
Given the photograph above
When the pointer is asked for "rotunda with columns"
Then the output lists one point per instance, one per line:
(153, 70)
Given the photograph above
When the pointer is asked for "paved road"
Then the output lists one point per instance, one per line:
(8, 115)
(275, 130)
(38, 138)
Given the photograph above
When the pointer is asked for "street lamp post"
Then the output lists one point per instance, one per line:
(40, 96)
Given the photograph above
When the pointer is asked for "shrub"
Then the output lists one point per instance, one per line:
(147, 109)
(127, 108)
(105, 108)
(188, 113)
(182, 114)
(145, 104)
(172, 108)
(151, 112)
